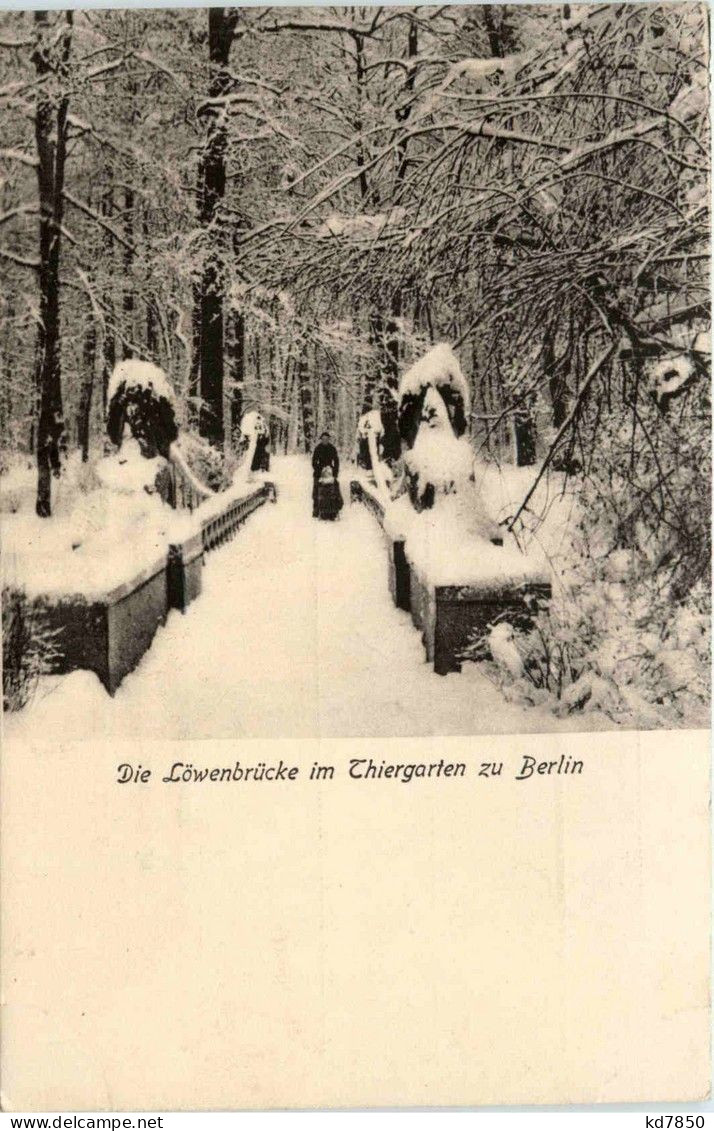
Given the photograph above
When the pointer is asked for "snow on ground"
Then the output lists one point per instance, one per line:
(295, 635)
(105, 529)
(18, 486)
(450, 543)
(551, 512)
(444, 550)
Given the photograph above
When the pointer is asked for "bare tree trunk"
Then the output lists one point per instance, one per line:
(391, 342)
(390, 383)
(500, 33)
(50, 178)
(152, 333)
(357, 122)
(221, 29)
(194, 376)
(237, 369)
(557, 385)
(275, 391)
(6, 391)
(128, 297)
(403, 112)
(286, 401)
(150, 308)
(371, 383)
(109, 348)
(307, 410)
(85, 397)
(525, 437)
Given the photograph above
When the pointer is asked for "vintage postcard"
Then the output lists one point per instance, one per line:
(355, 500)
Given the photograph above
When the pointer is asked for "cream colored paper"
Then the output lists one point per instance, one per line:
(446, 941)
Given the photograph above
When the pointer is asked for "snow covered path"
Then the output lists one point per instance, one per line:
(295, 635)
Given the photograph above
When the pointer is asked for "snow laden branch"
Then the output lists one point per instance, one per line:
(600, 361)
(20, 260)
(19, 156)
(103, 223)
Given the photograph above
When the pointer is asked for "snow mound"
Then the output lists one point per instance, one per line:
(448, 545)
(240, 488)
(671, 374)
(440, 366)
(553, 509)
(18, 487)
(502, 644)
(441, 459)
(127, 470)
(478, 70)
(95, 548)
(136, 374)
(113, 529)
(365, 226)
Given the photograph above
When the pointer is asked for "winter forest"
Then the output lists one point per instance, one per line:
(285, 209)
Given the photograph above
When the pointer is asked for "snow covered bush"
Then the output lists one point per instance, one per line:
(29, 648)
(621, 650)
(627, 631)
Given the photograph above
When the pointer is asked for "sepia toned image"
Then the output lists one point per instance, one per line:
(355, 512)
(355, 370)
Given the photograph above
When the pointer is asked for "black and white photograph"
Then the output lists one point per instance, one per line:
(355, 370)
(355, 501)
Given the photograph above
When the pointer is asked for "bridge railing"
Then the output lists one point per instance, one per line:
(221, 517)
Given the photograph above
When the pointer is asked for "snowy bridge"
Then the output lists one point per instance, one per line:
(294, 634)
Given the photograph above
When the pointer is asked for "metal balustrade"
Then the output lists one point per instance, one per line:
(218, 528)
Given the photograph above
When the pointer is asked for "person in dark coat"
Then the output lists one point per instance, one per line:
(324, 456)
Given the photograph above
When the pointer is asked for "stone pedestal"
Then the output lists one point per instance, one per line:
(454, 617)
(184, 572)
(110, 634)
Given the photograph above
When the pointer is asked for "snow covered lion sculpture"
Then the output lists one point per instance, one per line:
(434, 403)
(256, 435)
(141, 422)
